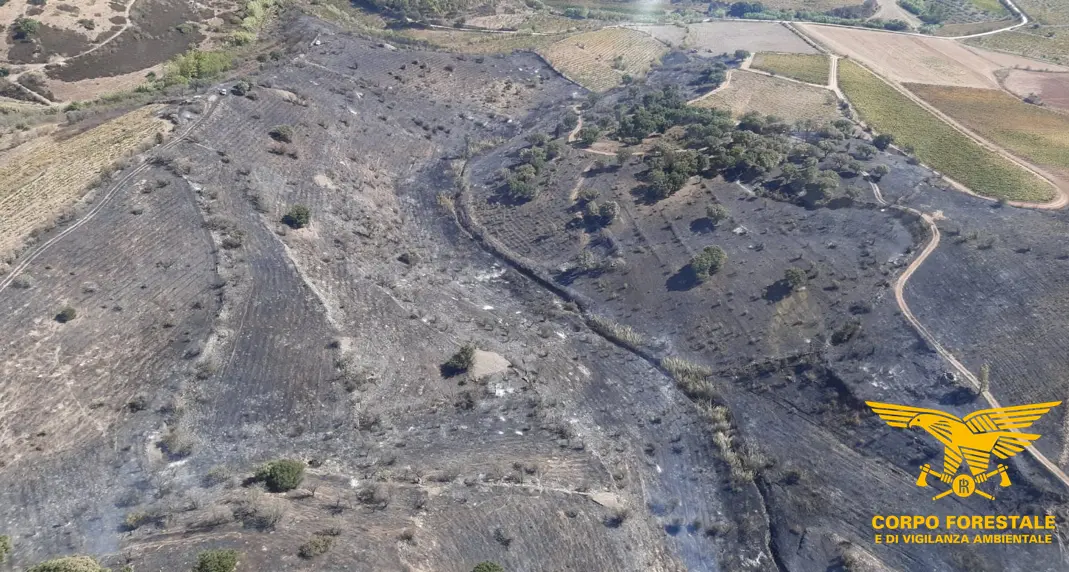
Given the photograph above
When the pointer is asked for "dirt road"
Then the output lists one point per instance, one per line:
(899, 290)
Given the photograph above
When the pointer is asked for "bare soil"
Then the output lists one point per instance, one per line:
(1052, 88)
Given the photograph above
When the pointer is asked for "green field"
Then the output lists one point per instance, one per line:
(936, 143)
(810, 68)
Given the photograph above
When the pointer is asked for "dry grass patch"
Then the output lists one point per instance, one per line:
(1029, 131)
(936, 143)
(747, 91)
(40, 178)
(483, 43)
(810, 68)
(599, 60)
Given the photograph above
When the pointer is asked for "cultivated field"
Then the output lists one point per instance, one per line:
(1052, 88)
(936, 143)
(810, 68)
(593, 59)
(720, 37)
(747, 91)
(1048, 43)
(917, 59)
(41, 178)
(1046, 11)
(810, 5)
(671, 35)
(1028, 131)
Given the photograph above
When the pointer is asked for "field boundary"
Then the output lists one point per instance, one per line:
(27, 259)
(1061, 196)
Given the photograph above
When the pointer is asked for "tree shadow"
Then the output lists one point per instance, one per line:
(704, 225)
(683, 280)
(958, 396)
(778, 290)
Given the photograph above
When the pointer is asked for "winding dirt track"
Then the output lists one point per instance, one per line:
(103, 200)
(899, 289)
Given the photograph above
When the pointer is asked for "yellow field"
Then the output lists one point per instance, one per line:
(481, 42)
(936, 143)
(1029, 131)
(810, 68)
(40, 178)
(747, 91)
(588, 59)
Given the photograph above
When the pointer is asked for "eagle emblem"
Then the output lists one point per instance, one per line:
(969, 441)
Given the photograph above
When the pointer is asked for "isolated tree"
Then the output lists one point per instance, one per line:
(741, 55)
(217, 561)
(588, 135)
(879, 171)
(25, 28)
(487, 567)
(281, 475)
(985, 378)
(716, 213)
(461, 361)
(5, 547)
(623, 154)
(66, 314)
(281, 133)
(708, 262)
(297, 217)
(796, 278)
(864, 152)
(883, 141)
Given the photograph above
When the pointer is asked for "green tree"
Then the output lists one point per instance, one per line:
(883, 141)
(589, 135)
(717, 212)
(5, 547)
(69, 564)
(487, 567)
(66, 314)
(217, 561)
(297, 217)
(460, 361)
(879, 171)
(25, 28)
(623, 154)
(796, 278)
(281, 475)
(708, 262)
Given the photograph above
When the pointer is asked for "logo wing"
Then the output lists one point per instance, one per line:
(900, 415)
(1007, 418)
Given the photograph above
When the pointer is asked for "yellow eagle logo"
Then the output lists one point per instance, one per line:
(972, 439)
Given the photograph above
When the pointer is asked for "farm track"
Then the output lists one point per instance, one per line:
(103, 200)
(929, 338)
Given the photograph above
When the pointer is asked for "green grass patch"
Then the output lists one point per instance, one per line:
(810, 68)
(936, 143)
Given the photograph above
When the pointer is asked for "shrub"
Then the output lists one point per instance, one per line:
(716, 213)
(5, 547)
(66, 314)
(217, 561)
(879, 171)
(25, 28)
(487, 567)
(708, 262)
(282, 133)
(69, 564)
(281, 475)
(883, 141)
(297, 217)
(461, 361)
(588, 135)
(315, 546)
(796, 278)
